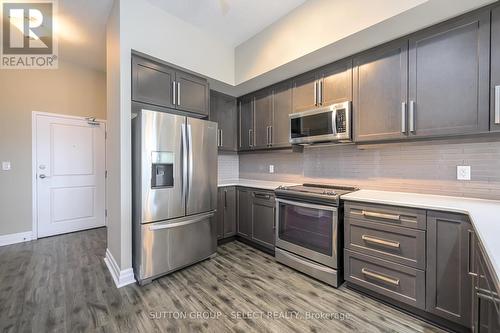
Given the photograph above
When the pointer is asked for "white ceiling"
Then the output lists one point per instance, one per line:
(81, 29)
(233, 21)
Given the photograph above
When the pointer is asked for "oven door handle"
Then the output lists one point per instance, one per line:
(304, 204)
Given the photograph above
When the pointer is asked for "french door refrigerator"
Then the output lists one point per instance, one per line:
(174, 168)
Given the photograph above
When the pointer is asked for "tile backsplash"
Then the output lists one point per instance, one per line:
(422, 167)
(228, 166)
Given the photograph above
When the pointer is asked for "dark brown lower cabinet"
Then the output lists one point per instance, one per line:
(448, 282)
(226, 212)
(486, 300)
(256, 211)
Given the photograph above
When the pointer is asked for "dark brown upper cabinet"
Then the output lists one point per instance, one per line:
(282, 108)
(327, 85)
(335, 83)
(223, 110)
(305, 92)
(263, 118)
(448, 77)
(152, 83)
(158, 84)
(380, 93)
(495, 71)
(246, 123)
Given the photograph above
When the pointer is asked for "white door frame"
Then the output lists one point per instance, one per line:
(34, 188)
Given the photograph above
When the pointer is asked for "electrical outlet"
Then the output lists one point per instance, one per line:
(463, 172)
(271, 168)
(6, 166)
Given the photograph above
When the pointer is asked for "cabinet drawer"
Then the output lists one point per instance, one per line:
(401, 245)
(392, 280)
(399, 216)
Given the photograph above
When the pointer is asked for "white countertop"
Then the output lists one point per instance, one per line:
(260, 184)
(484, 214)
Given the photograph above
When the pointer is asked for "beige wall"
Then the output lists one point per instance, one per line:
(71, 90)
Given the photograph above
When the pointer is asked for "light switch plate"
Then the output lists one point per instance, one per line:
(6, 165)
(463, 172)
(271, 168)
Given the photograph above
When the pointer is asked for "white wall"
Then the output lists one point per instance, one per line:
(71, 90)
(322, 31)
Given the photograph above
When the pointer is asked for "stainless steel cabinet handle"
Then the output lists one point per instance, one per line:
(470, 255)
(250, 143)
(225, 198)
(320, 92)
(380, 241)
(221, 138)
(174, 93)
(412, 116)
(262, 196)
(316, 93)
(381, 215)
(403, 117)
(42, 176)
(271, 135)
(380, 277)
(497, 105)
(178, 93)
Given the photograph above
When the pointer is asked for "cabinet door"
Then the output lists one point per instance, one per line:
(244, 223)
(152, 83)
(495, 70)
(219, 215)
(336, 83)
(380, 93)
(305, 92)
(282, 107)
(449, 285)
(192, 93)
(229, 212)
(448, 80)
(223, 110)
(246, 123)
(263, 118)
(263, 219)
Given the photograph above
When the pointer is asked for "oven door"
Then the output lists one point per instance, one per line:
(308, 230)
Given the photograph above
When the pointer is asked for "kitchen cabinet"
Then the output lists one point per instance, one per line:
(486, 300)
(336, 83)
(282, 108)
(448, 77)
(152, 83)
(246, 124)
(192, 93)
(226, 212)
(380, 93)
(263, 218)
(495, 70)
(305, 92)
(263, 118)
(158, 84)
(244, 223)
(449, 284)
(223, 110)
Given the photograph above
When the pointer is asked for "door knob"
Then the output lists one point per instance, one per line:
(42, 176)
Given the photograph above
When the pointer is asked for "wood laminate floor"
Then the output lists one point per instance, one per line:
(61, 284)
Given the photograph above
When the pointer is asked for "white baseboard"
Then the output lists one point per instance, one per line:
(16, 238)
(121, 277)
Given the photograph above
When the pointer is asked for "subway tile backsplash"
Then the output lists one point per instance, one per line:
(228, 167)
(421, 167)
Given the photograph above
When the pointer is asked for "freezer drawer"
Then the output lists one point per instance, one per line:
(171, 245)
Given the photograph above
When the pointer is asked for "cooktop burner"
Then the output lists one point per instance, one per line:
(314, 192)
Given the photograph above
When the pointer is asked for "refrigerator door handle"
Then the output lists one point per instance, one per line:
(184, 161)
(190, 161)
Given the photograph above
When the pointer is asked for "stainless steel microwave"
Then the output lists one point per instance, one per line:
(328, 124)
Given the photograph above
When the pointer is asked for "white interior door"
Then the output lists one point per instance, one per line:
(70, 175)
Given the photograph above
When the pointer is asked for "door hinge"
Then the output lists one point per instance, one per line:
(105, 135)
(106, 174)
(105, 213)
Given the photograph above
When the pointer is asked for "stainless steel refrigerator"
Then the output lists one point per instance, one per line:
(174, 168)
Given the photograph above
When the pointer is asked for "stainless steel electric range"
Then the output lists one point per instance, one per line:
(309, 221)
